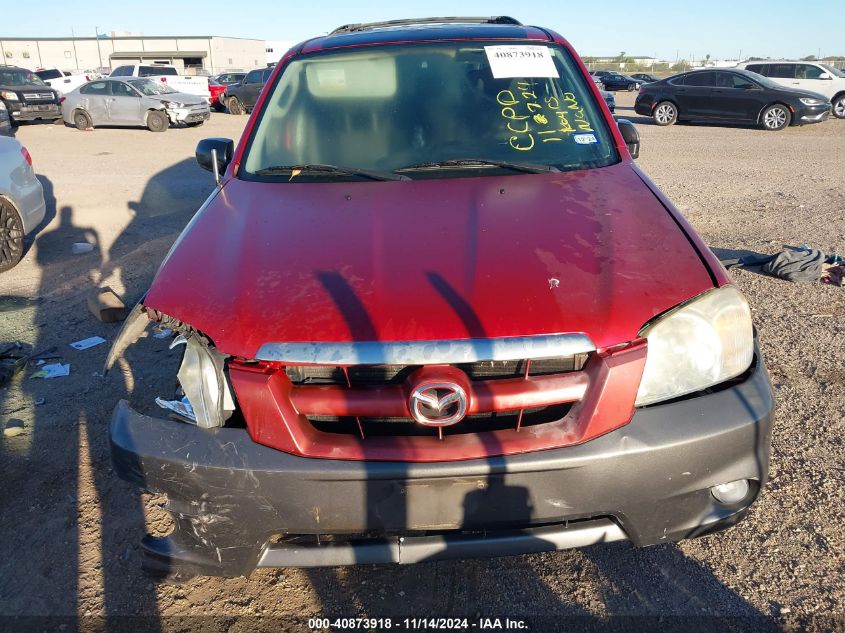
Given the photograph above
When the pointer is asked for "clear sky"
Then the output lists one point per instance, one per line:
(723, 29)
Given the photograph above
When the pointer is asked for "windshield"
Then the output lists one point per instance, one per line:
(832, 69)
(416, 106)
(155, 71)
(48, 74)
(151, 88)
(19, 77)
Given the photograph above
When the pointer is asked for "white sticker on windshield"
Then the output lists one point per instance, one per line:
(520, 61)
(585, 139)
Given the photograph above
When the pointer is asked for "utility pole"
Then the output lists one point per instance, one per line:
(75, 57)
(99, 54)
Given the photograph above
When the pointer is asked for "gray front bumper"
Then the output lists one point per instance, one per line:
(30, 112)
(814, 118)
(648, 481)
(189, 115)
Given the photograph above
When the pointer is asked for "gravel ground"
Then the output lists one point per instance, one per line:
(69, 534)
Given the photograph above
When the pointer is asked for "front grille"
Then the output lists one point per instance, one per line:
(38, 96)
(383, 401)
(370, 375)
(407, 427)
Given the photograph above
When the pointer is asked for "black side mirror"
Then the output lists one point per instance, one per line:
(215, 154)
(631, 136)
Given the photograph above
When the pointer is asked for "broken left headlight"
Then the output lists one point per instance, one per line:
(208, 396)
(202, 375)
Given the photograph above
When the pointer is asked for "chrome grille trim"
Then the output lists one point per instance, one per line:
(37, 96)
(427, 352)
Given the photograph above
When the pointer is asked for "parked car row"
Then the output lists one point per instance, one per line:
(816, 77)
(152, 96)
(617, 81)
(771, 94)
(733, 95)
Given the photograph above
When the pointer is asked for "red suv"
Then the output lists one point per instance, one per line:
(434, 310)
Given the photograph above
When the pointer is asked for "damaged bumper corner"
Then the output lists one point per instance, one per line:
(133, 328)
(238, 505)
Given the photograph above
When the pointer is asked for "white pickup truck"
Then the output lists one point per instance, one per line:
(64, 82)
(194, 85)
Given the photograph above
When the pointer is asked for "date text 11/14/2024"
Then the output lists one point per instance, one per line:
(418, 624)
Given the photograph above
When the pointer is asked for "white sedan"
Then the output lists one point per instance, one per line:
(22, 204)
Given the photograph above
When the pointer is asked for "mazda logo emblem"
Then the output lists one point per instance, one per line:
(438, 403)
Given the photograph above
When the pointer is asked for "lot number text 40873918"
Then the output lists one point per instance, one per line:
(418, 624)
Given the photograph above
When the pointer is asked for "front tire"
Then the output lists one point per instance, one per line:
(234, 106)
(82, 121)
(839, 107)
(11, 236)
(630, 87)
(775, 117)
(665, 113)
(157, 121)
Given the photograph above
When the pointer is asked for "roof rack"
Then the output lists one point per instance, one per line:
(352, 28)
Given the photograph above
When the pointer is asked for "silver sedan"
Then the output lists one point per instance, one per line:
(129, 102)
(22, 205)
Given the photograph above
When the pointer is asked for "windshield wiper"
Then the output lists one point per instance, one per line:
(481, 162)
(317, 168)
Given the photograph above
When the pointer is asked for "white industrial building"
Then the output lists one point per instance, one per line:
(276, 48)
(194, 54)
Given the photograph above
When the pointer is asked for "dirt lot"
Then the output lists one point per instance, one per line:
(69, 534)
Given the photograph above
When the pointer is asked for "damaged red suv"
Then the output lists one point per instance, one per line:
(434, 310)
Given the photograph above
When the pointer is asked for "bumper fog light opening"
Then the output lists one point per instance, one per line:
(732, 492)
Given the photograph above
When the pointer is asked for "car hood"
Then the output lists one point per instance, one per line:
(590, 251)
(181, 97)
(808, 94)
(27, 88)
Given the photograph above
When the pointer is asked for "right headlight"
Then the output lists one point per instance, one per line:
(8, 95)
(700, 344)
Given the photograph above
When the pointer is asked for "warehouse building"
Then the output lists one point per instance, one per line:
(207, 54)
